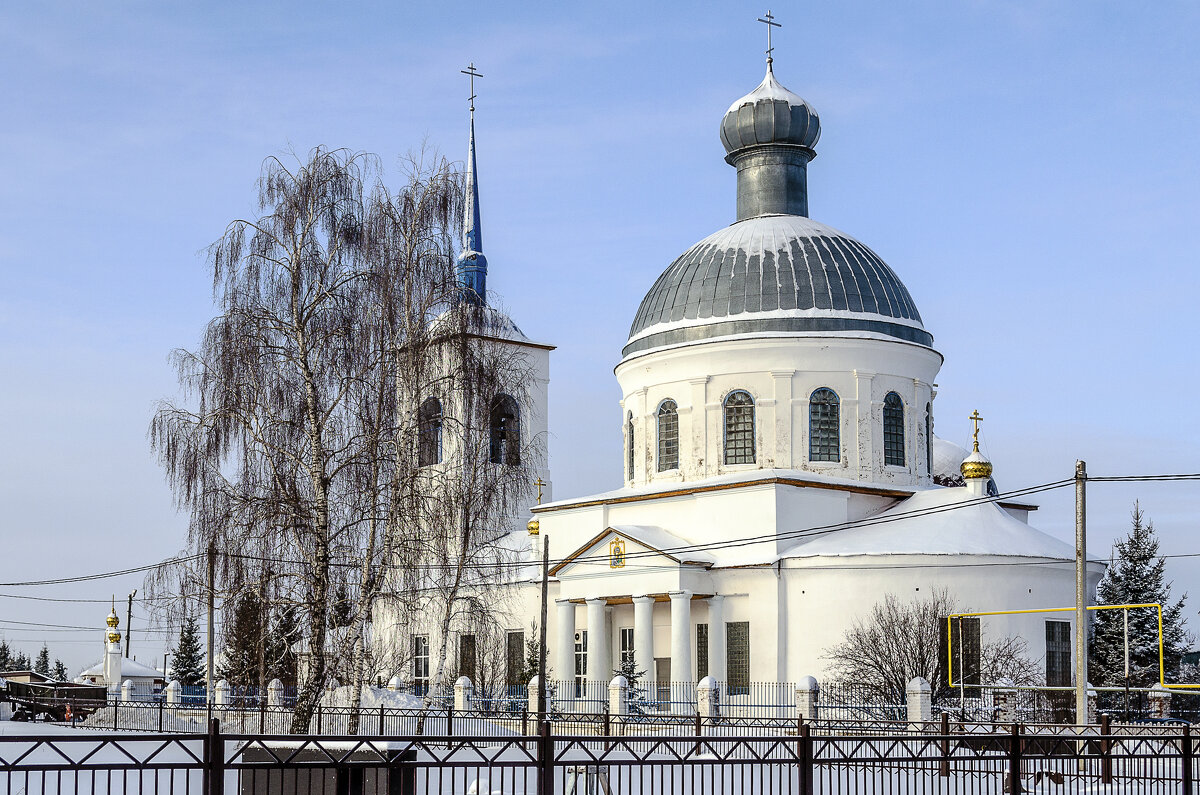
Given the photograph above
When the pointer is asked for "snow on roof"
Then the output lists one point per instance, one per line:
(129, 669)
(947, 457)
(948, 521)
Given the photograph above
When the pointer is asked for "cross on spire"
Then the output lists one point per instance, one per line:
(539, 483)
(770, 22)
(470, 70)
(975, 420)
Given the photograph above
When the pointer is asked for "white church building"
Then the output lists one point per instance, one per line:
(778, 401)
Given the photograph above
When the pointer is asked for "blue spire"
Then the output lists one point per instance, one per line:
(472, 265)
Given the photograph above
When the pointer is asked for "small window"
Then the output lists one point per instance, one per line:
(739, 428)
(737, 657)
(581, 655)
(1058, 653)
(893, 430)
(429, 433)
(701, 651)
(629, 443)
(515, 652)
(505, 431)
(668, 436)
(929, 438)
(420, 663)
(466, 656)
(824, 426)
(626, 646)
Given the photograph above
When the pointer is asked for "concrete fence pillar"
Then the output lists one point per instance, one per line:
(1004, 702)
(221, 693)
(1093, 706)
(275, 693)
(532, 694)
(1160, 702)
(618, 696)
(808, 696)
(920, 701)
(464, 694)
(395, 684)
(708, 699)
(174, 692)
(127, 690)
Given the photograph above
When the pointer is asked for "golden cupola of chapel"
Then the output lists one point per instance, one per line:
(976, 465)
(113, 635)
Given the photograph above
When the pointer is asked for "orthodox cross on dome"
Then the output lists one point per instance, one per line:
(770, 22)
(539, 483)
(975, 420)
(470, 71)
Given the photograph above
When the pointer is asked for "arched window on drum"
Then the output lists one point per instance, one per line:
(824, 426)
(505, 447)
(429, 433)
(739, 428)
(893, 430)
(668, 436)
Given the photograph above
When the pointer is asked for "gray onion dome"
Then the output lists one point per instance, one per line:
(770, 114)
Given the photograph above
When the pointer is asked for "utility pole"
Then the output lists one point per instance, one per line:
(1080, 593)
(212, 598)
(542, 630)
(129, 623)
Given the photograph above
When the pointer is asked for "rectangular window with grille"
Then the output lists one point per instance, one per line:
(668, 437)
(737, 657)
(626, 645)
(701, 651)
(466, 656)
(739, 429)
(1058, 653)
(515, 657)
(824, 440)
(420, 662)
(965, 653)
(580, 662)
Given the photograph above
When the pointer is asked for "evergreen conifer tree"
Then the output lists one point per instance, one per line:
(60, 671)
(20, 661)
(188, 659)
(5, 656)
(1136, 575)
(239, 663)
(42, 665)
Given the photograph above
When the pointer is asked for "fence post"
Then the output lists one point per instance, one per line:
(524, 723)
(708, 700)
(806, 759)
(944, 768)
(161, 707)
(318, 717)
(262, 714)
(920, 702)
(1105, 749)
(450, 721)
(1160, 702)
(808, 694)
(381, 720)
(1186, 753)
(545, 760)
(116, 712)
(1014, 760)
(464, 694)
(214, 759)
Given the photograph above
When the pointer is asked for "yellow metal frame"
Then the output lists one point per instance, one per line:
(1159, 607)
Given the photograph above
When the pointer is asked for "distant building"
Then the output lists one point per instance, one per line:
(115, 669)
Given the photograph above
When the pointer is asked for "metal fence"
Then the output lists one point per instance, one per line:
(1015, 760)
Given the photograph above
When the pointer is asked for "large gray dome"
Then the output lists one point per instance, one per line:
(775, 275)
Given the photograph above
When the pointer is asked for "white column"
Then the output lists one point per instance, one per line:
(599, 669)
(565, 664)
(681, 636)
(643, 637)
(716, 638)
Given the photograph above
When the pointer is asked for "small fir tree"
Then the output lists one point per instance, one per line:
(533, 656)
(20, 661)
(42, 665)
(242, 638)
(60, 671)
(639, 704)
(1136, 575)
(187, 660)
(5, 656)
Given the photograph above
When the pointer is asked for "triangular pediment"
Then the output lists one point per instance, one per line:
(622, 546)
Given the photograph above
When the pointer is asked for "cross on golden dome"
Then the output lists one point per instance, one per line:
(975, 420)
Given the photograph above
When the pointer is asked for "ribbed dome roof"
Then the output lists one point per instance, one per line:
(770, 114)
(775, 274)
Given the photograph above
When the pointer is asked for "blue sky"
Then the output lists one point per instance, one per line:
(1029, 171)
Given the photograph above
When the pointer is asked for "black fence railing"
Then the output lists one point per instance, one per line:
(1014, 759)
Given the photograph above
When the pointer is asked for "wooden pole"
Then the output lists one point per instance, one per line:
(212, 598)
(1080, 593)
(542, 685)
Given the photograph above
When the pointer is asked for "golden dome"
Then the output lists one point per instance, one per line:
(112, 636)
(112, 620)
(534, 527)
(976, 466)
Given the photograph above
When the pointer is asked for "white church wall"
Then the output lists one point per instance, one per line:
(780, 374)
